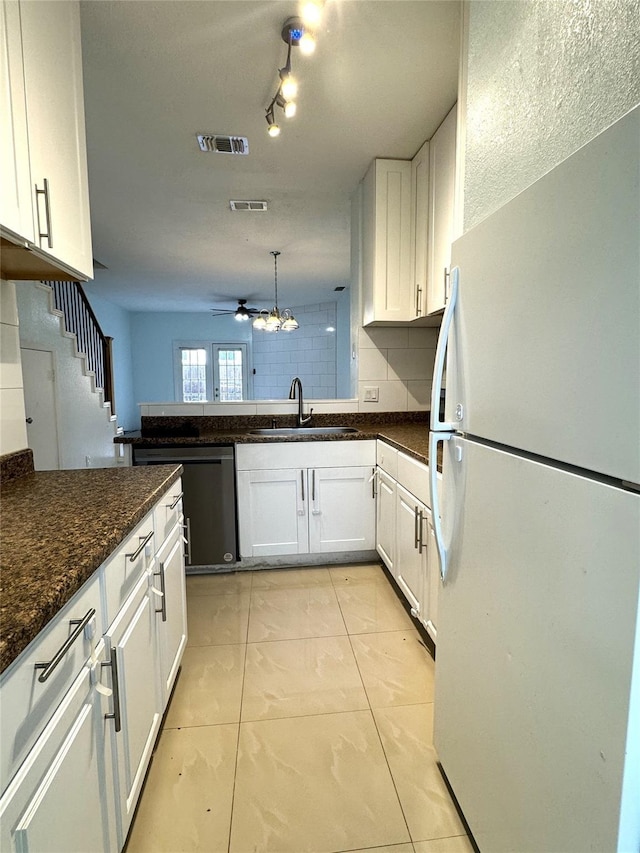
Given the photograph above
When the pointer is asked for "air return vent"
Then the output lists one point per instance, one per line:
(223, 144)
(248, 205)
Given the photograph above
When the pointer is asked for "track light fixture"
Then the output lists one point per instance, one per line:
(295, 33)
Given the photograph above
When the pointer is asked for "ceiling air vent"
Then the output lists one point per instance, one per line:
(248, 205)
(223, 144)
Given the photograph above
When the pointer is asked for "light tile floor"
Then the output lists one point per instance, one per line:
(301, 723)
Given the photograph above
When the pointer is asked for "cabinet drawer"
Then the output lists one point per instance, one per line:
(126, 565)
(414, 476)
(27, 703)
(387, 458)
(166, 513)
(305, 454)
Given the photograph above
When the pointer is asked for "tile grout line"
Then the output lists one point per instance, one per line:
(373, 718)
(244, 670)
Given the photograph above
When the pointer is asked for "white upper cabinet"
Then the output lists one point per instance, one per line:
(53, 219)
(420, 229)
(16, 210)
(442, 156)
(386, 243)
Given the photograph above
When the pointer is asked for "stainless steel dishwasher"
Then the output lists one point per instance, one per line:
(209, 499)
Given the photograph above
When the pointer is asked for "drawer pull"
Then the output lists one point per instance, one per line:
(113, 663)
(176, 502)
(133, 557)
(161, 592)
(55, 660)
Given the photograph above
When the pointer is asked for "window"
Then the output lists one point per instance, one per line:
(205, 371)
(193, 375)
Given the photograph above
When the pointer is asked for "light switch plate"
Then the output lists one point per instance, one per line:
(371, 395)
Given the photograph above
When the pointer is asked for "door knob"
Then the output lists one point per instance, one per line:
(29, 420)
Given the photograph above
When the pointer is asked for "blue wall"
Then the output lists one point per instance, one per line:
(152, 337)
(116, 322)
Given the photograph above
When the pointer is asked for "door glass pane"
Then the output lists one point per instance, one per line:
(229, 374)
(194, 375)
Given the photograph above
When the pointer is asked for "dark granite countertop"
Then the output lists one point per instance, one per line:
(406, 432)
(58, 527)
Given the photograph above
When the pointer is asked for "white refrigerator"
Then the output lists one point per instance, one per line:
(537, 700)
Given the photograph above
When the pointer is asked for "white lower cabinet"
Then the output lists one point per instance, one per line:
(342, 502)
(411, 562)
(308, 501)
(386, 519)
(404, 538)
(62, 798)
(137, 709)
(171, 610)
(90, 734)
(273, 510)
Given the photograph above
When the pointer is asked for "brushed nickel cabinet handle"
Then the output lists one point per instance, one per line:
(47, 212)
(176, 501)
(115, 716)
(64, 648)
(133, 557)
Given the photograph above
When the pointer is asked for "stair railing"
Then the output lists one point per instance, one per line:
(79, 319)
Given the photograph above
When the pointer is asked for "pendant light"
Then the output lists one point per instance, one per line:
(274, 321)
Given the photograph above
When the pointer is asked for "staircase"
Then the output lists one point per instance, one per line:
(79, 320)
(54, 318)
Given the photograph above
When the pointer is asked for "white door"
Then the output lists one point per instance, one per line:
(38, 372)
(429, 613)
(386, 519)
(410, 570)
(272, 512)
(537, 626)
(230, 373)
(133, 637)
(343, 515)
(554, 276)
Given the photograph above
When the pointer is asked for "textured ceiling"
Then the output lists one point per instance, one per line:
(383, 77)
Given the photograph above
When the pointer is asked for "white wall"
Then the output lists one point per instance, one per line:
(539, 80)
(85, 428)
(13, 429)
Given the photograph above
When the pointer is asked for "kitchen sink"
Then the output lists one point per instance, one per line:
(329, 430)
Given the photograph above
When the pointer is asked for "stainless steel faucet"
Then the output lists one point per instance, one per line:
(296, 383)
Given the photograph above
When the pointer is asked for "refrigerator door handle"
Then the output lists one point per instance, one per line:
(434, 438)
(438, 371)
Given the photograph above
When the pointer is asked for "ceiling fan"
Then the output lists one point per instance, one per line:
(241, 313)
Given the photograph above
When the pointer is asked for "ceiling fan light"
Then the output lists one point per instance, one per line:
(290, 109)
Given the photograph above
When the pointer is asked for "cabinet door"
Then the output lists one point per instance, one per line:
(342, 509)
(62, 801)
(16, 212)
(441, 200)
(55, 119)
(420, 228)
(132, 638)
(386, 519)
(429, 615)
(386, 242)
(272, 512)
(171, 609)
(411, 558)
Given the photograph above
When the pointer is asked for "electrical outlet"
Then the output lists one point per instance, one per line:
(88, 461)
(371, 395)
